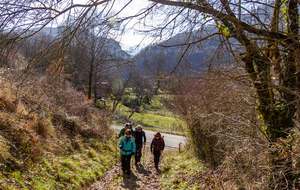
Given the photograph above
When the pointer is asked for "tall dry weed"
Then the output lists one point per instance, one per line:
(38, 117)
(224, 131)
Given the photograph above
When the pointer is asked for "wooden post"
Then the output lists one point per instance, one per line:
(179, 147)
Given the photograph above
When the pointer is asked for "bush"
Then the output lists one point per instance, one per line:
(146, 100)
(130, 101)
(99, 104)
(224, 128)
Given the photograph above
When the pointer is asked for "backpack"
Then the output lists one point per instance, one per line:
(131, 139)
(124, 139)
(143, 133)
(158, 144)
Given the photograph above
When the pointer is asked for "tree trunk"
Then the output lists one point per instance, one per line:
(90, 82)
(279, 120)
(95, 91)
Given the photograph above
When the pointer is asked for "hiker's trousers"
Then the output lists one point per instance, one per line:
(125, 159)
(156, 158)
(138, 153)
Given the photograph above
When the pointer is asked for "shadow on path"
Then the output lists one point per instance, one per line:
(140, 168)
(129, 182)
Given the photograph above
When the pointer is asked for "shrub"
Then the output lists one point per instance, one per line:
(99, 105)
(146, 100)
(223, 127)
(130, 101)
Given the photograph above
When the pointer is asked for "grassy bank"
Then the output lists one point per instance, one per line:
(73, 171)
(180, 171)
(184, 171)
(51, 137)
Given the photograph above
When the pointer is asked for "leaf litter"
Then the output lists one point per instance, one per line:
(143, 176)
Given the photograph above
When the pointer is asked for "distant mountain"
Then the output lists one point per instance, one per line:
(113, 46)
(49, 31)
(167, 54)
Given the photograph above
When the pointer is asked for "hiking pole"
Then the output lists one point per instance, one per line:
(117, 154)
(144, 154)
(131, 162)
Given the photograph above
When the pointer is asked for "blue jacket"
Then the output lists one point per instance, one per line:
(127, 147)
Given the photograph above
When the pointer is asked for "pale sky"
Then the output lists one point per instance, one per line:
(130, 39)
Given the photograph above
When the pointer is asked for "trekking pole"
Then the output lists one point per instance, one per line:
(131, 162)
(117, 155)
(117, 152)
(144, 154)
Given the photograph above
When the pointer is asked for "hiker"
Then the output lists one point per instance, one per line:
(157, 146)
(122, 132)
(138, 136)
(127, 146)
(130, 127)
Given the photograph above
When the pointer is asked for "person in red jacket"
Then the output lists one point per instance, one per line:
(157, 146)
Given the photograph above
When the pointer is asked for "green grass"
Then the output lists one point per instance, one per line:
(157, 103)
(157, 121)
(75, 171)
(155, 116)
(178, 171)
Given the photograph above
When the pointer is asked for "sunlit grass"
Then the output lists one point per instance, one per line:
(155, 116)
(177, 169)
(75, 171)
(156, 121)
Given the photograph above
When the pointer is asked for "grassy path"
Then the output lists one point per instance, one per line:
(144, 175)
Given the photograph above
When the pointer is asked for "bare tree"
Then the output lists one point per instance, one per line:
(157, 68)
(119, 85)
(141, 88)
(97, 58)
(255, 35)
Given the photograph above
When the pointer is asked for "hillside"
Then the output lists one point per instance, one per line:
(111, 44)
(50, 136)
(199, 56)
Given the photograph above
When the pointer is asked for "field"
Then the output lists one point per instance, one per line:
(156, 116)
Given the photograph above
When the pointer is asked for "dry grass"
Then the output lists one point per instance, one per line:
(39, 118)
(225, 133)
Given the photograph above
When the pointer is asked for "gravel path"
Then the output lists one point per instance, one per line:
(144, 176)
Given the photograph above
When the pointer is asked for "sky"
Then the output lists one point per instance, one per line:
(130, 39)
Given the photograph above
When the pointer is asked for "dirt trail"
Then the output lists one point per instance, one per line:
(144, 175)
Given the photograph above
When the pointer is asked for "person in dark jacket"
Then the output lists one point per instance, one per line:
(138, 136)
(127, 146)
(157, 146)
(130, 126)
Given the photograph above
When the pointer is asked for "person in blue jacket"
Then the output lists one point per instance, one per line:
(127, 146)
